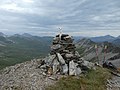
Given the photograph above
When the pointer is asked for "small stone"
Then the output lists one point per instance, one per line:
(69, 55)
(52, 78)
(56, 47)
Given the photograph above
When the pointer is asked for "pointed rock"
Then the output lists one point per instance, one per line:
(60, 58)
(56, 66)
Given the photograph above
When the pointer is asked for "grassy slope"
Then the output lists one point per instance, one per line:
(23, 49)
(93, 80)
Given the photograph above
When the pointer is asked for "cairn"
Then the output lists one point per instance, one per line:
(63, 59)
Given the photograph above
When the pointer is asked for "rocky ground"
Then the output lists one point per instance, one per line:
(116, 62)
(114, 83)
(25, 76)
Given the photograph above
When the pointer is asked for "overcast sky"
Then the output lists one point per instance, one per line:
(76, 17)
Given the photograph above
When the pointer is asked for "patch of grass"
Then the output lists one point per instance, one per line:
(80, 50)
(92, 80)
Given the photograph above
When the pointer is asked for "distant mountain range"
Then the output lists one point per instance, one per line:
(103, 38)
(19, 48)
(108, 38)
(100, 39)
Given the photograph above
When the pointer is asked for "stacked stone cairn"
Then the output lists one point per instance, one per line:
(64, 59)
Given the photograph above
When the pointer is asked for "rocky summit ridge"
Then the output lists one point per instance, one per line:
(24, 76)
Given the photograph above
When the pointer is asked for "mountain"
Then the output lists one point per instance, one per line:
(27, 35)
(19, 48)
(4, 40)
(93, 51)
(116, 42)
(118, 37)
(2, 34)
(108, 38)
(103, 38)
(85, 42)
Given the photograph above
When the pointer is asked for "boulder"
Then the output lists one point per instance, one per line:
(87, 64)
(56, 47)
(69, 55)
(72, 68)
(56, 66)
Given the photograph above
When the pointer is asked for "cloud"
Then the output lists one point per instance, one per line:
(11, 7)
(75, 16)
(28, 1)
(92, 33)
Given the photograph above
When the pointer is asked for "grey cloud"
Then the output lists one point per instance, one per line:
(37, 16)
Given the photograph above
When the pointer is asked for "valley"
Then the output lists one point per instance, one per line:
(19, 48)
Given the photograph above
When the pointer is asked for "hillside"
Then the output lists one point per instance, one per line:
(116, 42)
(19, 48)
(87, 49)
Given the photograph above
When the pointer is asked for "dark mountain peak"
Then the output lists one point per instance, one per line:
(2, 34)
(27, 35)
(108, 38)
(16, 35)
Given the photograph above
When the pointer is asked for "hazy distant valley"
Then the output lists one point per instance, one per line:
(19, 48)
